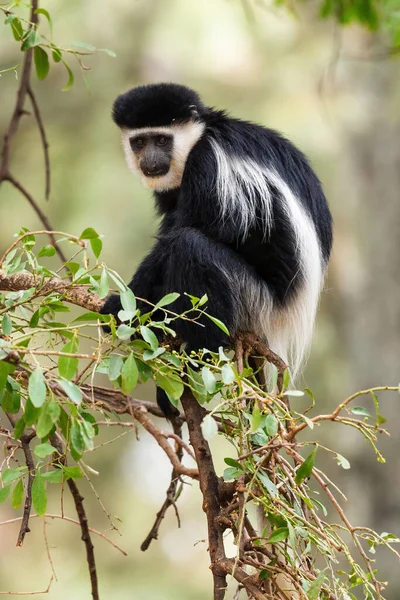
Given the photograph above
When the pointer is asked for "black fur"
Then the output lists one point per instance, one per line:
(197, 252)
(156, 105)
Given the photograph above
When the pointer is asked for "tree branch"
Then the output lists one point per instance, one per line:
(77, 295)
(80, 510)
(209, 485)
(19, 105)
(43, 137)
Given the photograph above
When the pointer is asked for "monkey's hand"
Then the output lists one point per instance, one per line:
(112, 306)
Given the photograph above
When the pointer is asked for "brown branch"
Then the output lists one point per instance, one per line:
(228, 566)
(19, 105)
(25, 440)
(172, 494)
(80, 510)
(17, 184)
(77, 295)
(43, 137)
(25, 89)
(209, 485)
(141, 415)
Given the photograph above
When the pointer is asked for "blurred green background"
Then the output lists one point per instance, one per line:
(321, 88)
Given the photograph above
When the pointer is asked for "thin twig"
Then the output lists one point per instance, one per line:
(45, 143)
(70, 520)
(18, 185)
(46, 591)
(172, 493)
(25, 440)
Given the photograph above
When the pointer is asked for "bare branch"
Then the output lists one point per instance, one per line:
(45, 143)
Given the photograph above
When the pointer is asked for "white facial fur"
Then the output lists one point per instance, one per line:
(185, 136)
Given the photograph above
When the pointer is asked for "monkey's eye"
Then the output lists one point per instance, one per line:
(137, 143)
(161, 140)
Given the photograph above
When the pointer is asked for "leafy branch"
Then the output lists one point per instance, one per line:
(56, 408)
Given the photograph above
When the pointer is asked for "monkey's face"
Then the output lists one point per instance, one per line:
(159, 154)
(153, 152)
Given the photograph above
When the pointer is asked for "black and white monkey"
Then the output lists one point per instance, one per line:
(244, 220)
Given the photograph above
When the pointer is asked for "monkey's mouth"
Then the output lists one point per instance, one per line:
(155, 172)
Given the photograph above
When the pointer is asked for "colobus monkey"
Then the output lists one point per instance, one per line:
(244, 220)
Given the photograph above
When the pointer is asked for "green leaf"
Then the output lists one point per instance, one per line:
(37, 388)
(42, 64)
(6, 324)
(48, 417)
(18, 495)
(129, 374)
(233, 463)
(305, 469)
(271, 425)
(4, 492)
(209, 427)
(218, 323)
(68, 365)
(72, 472)
(109, 52)
(5, 370)
(56, 54)
(313, 592)
(72, 390)
(124, 332)
(31, 39)
(114, 367)
(39, 496)
(149, 337)
(342, 461)
(55, 476)
(10, 475)
(286, 378)
(104, 286)
(168, 299)
(34, 319)
(71, 79)
(268, 484)
(197, 384)
(227, 374)
(231, 473)
(47, 250)
(77, 439)
(88, 234)
(43, 450)
(209, 380)
(148, 355)
(310, 423)
(360, 410)
(97, 246)
(43, 11)
(380, 420)
(128, 302)
(278, 535)
(255, 417)
(259, 438)
(16, 27)
(84, 45)
(31, 413)
(19, 428)
(173, 387)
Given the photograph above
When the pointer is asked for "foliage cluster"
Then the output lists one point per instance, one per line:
(50, 367)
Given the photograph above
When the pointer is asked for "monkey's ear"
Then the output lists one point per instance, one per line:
(193, 110)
